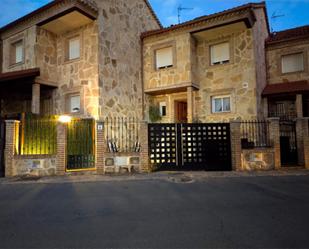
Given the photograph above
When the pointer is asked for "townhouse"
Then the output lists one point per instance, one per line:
(286, 95)
(210, 69)
(79, 57)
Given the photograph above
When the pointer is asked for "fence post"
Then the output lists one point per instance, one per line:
(145, 166)
(236, 145)
(305, 134)
(300, 138)
(61, 148)
(274, 133)
(100, 146)
(11, 140)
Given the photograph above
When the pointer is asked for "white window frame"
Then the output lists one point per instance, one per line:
(222, 61)
(222, 97)
(162, 105)
(71, 50)
(17, 52)
(296, 70)
(70, 107)
(169, 61)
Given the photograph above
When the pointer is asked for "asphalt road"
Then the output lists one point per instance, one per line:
(217, 212)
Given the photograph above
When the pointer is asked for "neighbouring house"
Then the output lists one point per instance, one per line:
(287, 92)
(80, 57)
(210, 69)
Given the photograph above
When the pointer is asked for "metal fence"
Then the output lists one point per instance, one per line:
(37, 135)
(255, 134)
(122, 134)
(81, 144)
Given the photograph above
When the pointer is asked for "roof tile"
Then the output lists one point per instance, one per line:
(287, 87)
(289, 34)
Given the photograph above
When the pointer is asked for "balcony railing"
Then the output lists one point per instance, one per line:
(283, 115)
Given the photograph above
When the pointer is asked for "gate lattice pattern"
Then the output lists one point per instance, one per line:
(162, 140)
(190, 146)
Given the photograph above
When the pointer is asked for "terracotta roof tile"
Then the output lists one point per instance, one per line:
(289, 34)
(89, 3)
(206, 17)
(19, 74)
(288, 87)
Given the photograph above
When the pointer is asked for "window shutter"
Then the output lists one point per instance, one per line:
(75, 104)
(164, 57)
(292, 63)
(220, 53)
(74, 48)
(19, 52)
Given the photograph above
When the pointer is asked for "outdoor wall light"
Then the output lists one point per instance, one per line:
(65, 119)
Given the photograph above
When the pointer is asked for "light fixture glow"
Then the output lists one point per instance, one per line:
(65, 119)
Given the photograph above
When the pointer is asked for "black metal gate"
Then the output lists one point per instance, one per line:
(190, 146)
(2, 146)
(288, 143)
(80, 145)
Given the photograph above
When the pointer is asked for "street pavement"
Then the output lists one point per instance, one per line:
(168, 210)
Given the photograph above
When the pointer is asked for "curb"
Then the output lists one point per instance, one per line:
(176, 177)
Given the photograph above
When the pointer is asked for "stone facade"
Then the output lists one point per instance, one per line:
(228, 79)
(108, 73)
(296, 101)
(120, 26)
(34, 166)
(46, 51)
(274, 53)
(243, 78)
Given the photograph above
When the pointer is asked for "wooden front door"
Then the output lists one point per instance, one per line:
(181, 112)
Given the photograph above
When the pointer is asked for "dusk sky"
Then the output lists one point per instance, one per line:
(292, 13)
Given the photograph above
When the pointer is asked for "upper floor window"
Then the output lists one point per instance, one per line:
(164, 58)
(292, 63)
(17, 52)
(74, 48)
(220, 53)
(221, 104)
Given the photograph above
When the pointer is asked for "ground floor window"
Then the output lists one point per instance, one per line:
(221, 104)
(73, 103)
(163, 109)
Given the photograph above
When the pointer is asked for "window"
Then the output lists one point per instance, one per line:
(220, 53)
(221, 104)
(292, 63)
(164, 58)
(74, 103)
(17, 52)
(163, 109)
(74, 48)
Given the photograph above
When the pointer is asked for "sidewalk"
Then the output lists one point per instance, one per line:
(177, 177)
